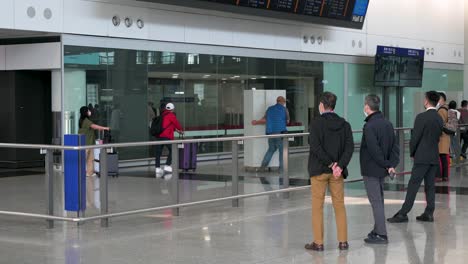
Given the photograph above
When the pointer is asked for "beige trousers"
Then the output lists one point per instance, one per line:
(318, 188)
(89, 162)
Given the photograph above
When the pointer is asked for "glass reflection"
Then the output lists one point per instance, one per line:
(128, 87)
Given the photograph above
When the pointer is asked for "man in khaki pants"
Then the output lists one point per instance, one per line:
(331, 148)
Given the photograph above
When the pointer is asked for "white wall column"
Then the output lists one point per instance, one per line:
(56, 91)
(56, 101)
(74, 97)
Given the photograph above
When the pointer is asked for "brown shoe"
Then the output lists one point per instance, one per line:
(314, 246)
(343, 246)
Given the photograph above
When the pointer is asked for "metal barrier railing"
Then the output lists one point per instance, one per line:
(103, 180)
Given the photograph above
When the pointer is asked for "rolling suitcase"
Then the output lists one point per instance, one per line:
(188, 156)
(112, 156)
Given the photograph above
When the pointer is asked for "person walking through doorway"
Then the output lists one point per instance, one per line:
(276, 118)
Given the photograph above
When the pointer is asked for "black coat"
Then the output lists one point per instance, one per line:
(424, 144)
(379, 147)
(330, 140)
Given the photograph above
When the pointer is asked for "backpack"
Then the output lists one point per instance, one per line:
(157, 126)
(452, 123)
(450, 127)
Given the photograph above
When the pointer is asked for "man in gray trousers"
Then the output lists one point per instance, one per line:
(379, 156)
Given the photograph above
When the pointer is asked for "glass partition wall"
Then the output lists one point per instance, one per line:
(125, 86)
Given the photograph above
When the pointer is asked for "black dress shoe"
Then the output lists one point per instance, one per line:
(398, 218)
(425, 218)
(371, 234)
(376, 239)
(314, 246)
(343, 245)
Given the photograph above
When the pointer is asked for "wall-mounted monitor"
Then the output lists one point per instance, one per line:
(340, 13)
(398, 67)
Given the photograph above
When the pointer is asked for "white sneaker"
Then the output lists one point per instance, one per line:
(159, 172)
(167, 177)
(167, 168)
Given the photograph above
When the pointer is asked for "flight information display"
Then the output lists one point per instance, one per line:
(342, 13)
(398, 67)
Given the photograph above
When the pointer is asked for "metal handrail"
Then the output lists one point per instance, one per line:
(104, 216)
(153, 143)
(180, 205)
(159, 208)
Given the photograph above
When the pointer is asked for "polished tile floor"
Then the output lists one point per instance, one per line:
(268, 229)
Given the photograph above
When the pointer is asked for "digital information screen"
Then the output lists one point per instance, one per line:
(398, 67)
(342, 13)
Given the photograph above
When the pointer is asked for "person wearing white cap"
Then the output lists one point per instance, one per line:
(169, 125)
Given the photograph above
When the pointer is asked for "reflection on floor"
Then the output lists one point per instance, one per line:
(268, 229)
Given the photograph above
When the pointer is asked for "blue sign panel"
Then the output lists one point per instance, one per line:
(75, 174)
(384, 50)
(360, 7)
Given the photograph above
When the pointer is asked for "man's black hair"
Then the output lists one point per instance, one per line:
(453, 105)
(433, 98)
(328, 100)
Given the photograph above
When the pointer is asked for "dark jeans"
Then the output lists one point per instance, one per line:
(273, 145)
(455, 150)
(159, 150)
(375, 193)
(444, 166)
(420, 172)
(464, 139)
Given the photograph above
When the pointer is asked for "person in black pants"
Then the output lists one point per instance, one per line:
(464, 121)
(379, 155)
(425, 152)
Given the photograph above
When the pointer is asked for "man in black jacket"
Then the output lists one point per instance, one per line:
(331, 148)
(379, 156)
(424, 149)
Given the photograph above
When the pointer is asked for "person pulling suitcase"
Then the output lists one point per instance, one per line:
(163, 128)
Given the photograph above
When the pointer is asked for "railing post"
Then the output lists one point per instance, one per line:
(285, 171)
(235, 172)
(401, 143)
(175, 178)
(103, 181)
(49, 185)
